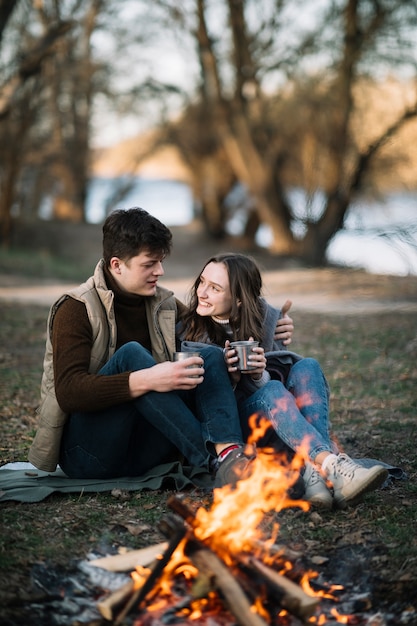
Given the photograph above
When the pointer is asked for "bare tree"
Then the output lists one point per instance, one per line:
(54, 73)
(17, 97)
(46, 104)
(6, 9)
(298, 130)
(69, 75)
(256, 113)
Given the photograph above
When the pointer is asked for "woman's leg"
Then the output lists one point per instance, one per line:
(279, 406)
(215, 402)
(309, 386)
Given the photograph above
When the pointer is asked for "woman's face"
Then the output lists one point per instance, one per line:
(213, 292)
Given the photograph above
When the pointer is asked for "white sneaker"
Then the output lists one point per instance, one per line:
(351, 481)
(316, 490)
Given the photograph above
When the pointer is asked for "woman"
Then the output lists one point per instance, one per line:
(226, 305)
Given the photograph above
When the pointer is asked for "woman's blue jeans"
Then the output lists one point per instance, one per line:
(298, 410)
(131, 438)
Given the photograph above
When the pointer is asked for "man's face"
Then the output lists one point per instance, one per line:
(140, 274)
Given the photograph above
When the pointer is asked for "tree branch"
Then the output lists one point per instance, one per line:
(30, 64)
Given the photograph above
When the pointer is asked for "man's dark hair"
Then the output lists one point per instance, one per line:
(128, 232)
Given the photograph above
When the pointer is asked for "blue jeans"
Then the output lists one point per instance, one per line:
(131, 438)
(298, 410)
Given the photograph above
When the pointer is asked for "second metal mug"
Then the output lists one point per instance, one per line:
(243, 351)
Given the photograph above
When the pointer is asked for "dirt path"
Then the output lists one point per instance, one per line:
(329, 290)
(321, 290)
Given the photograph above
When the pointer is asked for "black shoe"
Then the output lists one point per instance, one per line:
(234, 467)
(297, 489)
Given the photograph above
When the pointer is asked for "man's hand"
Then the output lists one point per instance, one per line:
(285, 326)
(167, 376)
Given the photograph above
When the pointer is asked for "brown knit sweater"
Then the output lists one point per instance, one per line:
(76, 389)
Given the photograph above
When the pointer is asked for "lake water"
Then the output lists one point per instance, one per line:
(380, 237)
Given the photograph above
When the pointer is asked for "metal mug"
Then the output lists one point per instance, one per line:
(180, 356)
(243, 351)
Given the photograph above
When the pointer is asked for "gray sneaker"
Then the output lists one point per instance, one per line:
(235, 466)
(316, 490)
(351, 481)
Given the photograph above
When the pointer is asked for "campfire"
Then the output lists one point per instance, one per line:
(224, 565)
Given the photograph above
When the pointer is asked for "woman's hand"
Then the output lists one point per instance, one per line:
(231, 359)
(285, 325)
(257, 360)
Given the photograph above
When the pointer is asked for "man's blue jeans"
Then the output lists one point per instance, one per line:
(130, 439)
(298, 410)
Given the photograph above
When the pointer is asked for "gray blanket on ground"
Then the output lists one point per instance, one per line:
(24, 483)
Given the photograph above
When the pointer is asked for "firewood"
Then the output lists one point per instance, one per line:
(128, 561)
(156, 570)
(234, 597)
(275, 550)
(290, 595)
(184, 511)
(112, 603)
(207, 562)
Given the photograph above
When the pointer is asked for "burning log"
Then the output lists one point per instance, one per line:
(275, 549)
(179, 507)
(235, 598)
(110, 606)
(230, 569)
(291, 596)
(131, 595)
(156, 571)
(207, 562)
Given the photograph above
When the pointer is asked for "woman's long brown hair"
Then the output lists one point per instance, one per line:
(246, 315)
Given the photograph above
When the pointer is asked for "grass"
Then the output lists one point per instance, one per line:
(42, 266)
(370, 362)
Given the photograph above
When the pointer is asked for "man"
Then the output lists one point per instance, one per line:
(112, 401)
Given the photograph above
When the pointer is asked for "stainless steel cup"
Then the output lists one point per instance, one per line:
(180, 356)
(243, 351)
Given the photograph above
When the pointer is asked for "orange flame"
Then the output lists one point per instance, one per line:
(236, 513)
(232, 525)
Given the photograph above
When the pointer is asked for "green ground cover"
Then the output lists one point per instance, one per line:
(370, 361)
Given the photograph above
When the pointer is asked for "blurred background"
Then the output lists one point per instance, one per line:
(288, 126)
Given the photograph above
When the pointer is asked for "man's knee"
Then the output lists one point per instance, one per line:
(132, 347)
(130, 356)
(213, 356)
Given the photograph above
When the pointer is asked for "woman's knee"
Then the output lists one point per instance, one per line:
(274, 388)
(267, 396)
(306, 367)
